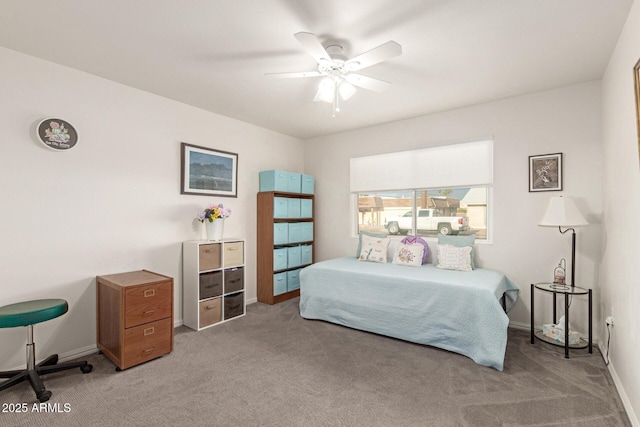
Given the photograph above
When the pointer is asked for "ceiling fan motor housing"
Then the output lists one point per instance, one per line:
(335, 65)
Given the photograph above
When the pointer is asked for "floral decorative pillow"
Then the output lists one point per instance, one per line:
(374, 249)
(454, 258)
(416, 239)
(408, 254)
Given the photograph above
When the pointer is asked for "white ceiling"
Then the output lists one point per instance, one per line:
(213, 54)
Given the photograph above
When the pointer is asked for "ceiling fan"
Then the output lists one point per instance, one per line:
(340, 79)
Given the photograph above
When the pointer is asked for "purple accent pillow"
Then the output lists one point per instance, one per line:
(415, 239)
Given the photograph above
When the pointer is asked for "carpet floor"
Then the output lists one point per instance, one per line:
(274, 368)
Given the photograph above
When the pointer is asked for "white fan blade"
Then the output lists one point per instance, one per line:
(369, 83)
(293, 75)
(314, 47)
(371, 57)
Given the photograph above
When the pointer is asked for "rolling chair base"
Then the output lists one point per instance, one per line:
(47, 366)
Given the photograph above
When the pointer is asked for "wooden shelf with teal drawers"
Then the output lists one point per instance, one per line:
(285, 243)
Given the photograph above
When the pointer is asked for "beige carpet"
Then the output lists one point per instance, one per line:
(273, 368)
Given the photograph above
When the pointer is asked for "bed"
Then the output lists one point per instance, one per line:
(463, 312)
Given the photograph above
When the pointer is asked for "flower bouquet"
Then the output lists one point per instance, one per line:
(214, 212)
(213, 218)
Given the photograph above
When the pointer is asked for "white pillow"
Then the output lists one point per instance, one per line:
(374, 249)
(454, 258)
(408, 254)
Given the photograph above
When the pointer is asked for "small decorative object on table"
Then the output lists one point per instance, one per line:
(559, 275)
(213, 218)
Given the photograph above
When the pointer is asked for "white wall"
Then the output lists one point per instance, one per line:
(566, 120)
(620, 272)
(112, 203)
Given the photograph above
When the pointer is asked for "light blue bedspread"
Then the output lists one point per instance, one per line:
(454, 310)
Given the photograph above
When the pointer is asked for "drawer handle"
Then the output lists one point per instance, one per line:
(232, 249)
(147, 313)
(149, 293)
(234, 281)
(149, 331)
(209, 286)
(149, 350)
(209, 307)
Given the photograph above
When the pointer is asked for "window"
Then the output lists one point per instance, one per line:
(460, 210)
(460, 206)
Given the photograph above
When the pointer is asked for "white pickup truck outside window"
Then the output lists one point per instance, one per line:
(440, 210)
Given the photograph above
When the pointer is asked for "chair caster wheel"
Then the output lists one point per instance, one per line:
(86, 369)
(44, 396)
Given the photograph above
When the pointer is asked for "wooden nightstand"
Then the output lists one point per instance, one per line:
(134, 317)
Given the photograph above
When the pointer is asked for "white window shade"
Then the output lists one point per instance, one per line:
(455, 165)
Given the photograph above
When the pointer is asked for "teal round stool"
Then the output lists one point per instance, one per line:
(27, 314)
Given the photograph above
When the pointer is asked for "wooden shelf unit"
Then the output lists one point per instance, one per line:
(266, 244)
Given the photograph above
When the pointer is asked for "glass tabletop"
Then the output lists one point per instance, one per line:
(561, 289)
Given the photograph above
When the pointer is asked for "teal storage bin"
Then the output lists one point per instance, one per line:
(280, 233)
(306, 208)
(295, 232)
(306, 254)
(294, 256)
(293, 280)
(306, 232)
(280, 259)
(293, 208)
(308, 184)
(294, 182)
(280, 283)
(280, 207)
(274, 180)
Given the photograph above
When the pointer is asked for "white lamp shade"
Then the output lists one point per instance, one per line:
(562, 212)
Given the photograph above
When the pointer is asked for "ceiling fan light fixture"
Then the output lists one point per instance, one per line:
(339, 82)
(326, 90)
(346, 90)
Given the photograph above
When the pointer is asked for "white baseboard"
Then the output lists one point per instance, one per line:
(616, 380)
(65, 357)
(623, 395)
(518, 325)
(77, 353)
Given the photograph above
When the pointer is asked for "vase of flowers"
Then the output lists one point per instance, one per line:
(213, 219)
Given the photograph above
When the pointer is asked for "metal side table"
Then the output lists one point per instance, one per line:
(568, 292)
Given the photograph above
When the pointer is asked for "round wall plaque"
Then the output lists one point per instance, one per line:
(57, 134)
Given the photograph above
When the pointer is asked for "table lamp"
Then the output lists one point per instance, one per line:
(563, 212)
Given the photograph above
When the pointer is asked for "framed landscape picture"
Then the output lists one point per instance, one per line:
(208, 172)
(545, 172)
